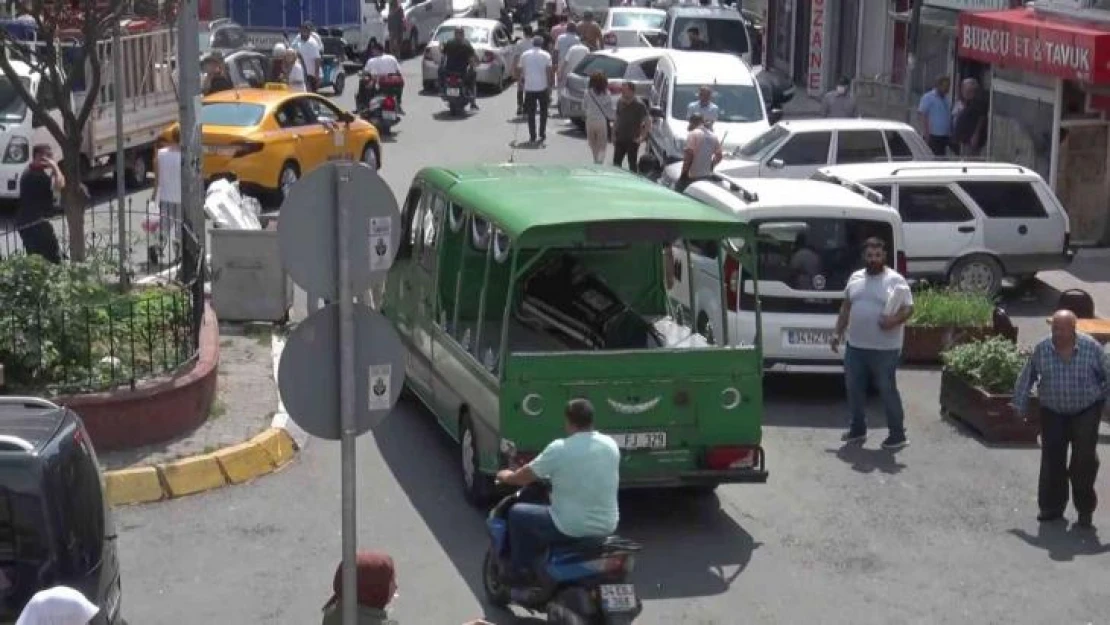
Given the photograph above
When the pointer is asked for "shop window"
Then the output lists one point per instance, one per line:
(899, 149)
(860, 146)
(806, 148)
(931, 204)
(1001, 200)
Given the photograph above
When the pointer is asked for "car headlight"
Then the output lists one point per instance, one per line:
(17, 151)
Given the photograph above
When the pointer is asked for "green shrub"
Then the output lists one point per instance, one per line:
(992, 365)
(951, 308)
(62, 329)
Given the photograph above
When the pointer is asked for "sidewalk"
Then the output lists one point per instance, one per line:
(1090, 271)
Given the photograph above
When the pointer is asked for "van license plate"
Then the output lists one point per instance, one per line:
(641, 440)
(808, 337)
(618, 597)
(452, 92)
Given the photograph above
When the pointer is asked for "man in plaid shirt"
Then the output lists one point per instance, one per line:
(1072, 374)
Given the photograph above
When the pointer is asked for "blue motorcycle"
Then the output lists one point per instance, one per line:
(583, 582)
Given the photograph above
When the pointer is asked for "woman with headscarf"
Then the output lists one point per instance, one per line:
(59, 605)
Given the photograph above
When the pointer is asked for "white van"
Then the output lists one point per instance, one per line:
(971, 224)
(811, 237)
(678, 76)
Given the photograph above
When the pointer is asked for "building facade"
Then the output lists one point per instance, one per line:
(1050, 99)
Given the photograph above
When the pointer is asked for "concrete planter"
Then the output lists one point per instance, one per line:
(991, 416)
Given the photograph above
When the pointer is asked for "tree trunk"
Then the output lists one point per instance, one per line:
(74, 201)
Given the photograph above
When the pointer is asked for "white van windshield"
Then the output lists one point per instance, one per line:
(816, 254)
(737, 103)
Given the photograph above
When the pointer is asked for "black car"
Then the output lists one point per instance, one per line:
(55, 523)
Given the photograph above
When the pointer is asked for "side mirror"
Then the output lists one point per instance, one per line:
(774, 116)
(656, 112)
(345, 117)
(776, 163)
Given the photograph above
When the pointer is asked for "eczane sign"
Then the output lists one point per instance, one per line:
(1022, 40)
(818, 44)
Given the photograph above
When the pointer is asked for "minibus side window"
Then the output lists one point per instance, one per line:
(452, 242)
(433, 219)
(408, 234)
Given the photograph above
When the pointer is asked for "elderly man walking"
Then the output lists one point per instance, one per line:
(1072, 374)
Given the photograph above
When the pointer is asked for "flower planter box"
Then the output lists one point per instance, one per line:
(991, 416)
(924, 344)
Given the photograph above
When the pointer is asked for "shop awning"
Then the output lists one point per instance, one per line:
(1021, 38)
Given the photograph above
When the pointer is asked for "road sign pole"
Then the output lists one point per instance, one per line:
(347, 415)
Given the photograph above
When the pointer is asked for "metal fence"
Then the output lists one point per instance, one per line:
(78, 327)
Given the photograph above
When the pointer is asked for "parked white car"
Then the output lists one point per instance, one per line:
(634, 65)
(971, 223)
(798, 148)
(678, 77)
(810, 242)
(492, 43)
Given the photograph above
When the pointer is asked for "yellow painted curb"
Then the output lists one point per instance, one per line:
(244, 462)
(261, 455)
(134, 485)
(278, 444)
(192, 475)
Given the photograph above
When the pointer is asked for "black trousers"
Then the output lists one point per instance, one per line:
(630, 150)
(534, 100)
(1057, 432)
(938, 144)
(39, 238)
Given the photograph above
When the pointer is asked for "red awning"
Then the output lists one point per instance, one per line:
(1023, 39)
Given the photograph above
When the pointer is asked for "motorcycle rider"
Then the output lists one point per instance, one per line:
(584, 472)
(381, 64)
(459, 57)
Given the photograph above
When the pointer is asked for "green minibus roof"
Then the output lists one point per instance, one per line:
(559, 204)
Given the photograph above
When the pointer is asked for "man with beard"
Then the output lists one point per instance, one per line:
(877, 303)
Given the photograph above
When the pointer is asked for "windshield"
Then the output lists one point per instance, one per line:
(636, 19)
(231, 114)
(763, 142)
(23, 540)
(12, 107)
(722, 35)
(474, 34)
(737, 103)
(815, 254)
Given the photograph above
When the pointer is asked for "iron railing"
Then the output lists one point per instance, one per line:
(77, 327)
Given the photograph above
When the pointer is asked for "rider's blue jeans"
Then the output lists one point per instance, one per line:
(531, 530)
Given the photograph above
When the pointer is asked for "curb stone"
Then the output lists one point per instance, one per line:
(264, 454)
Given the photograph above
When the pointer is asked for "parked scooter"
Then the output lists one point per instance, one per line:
(583, 582)
(455, 93)
(378, 101)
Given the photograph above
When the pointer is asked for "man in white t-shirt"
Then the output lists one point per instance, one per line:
(308, 46)
(537, 74)
(381, 64)
(874, 341)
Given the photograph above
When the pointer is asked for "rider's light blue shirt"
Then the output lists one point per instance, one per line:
(584, 471)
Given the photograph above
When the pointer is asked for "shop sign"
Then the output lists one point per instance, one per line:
(815, 73)
(970, 5)
(1017, 39)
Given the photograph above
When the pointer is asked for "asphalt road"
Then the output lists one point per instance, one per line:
(942, 532)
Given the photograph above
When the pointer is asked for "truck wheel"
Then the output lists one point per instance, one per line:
(134, 174)
(477, 486)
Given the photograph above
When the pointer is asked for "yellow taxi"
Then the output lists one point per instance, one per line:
(268, 138)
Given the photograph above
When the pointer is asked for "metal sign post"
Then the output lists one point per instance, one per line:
(337, 247)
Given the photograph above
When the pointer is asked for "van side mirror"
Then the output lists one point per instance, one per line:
(656, 112)
(774, 116)
(345, 117)
(776, 163)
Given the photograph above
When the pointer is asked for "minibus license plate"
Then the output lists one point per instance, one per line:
(641, 440)
(618, 597)
(808, 337)
(452, 92)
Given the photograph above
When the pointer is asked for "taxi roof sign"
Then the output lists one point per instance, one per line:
(276, 86)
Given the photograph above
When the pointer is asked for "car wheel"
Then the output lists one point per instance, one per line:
(134, 175)
(290, 174)
(477, 487)
(370, 156)
(977, 274)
